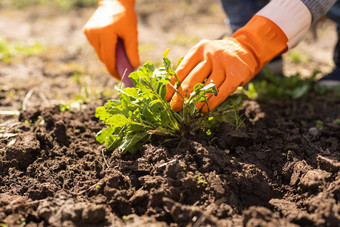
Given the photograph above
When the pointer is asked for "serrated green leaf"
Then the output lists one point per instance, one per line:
(113, 141)
(117, 121)
(161, 90)
(130, 92)
(155, 103)
(101, 113)
(300, 91)
(103, 134)
(132, 142)
(233, 101)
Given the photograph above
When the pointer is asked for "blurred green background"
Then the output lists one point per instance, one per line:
(62, 4)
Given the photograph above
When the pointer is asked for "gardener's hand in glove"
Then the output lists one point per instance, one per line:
(232, 62)
(113, 19)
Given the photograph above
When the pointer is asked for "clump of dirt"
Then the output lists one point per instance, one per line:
(274, 171)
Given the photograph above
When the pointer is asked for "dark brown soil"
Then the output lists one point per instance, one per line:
(279, 170)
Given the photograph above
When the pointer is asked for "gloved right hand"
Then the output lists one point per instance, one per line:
(112, 20)
(232, 62)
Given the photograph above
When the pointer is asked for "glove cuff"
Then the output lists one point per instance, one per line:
(293, 17)
(263, 39)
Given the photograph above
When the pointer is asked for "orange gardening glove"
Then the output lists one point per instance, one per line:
(230, 62)
(112, 20)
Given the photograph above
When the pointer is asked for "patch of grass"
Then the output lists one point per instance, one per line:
(334, 91)
(303, 123)
(146, 47)
(336, 121)
(183, 40)
(61, 4)
(84, 91)
(281, 87)
(319, 125)
(21, 221)
(59, 68)
(271, 86)
(10, 50)
(297, 57)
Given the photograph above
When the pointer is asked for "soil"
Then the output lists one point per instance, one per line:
(280, 169)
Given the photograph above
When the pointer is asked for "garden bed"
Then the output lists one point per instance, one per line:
(280, 169)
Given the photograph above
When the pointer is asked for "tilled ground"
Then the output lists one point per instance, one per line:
(281, 169)
(278, 170)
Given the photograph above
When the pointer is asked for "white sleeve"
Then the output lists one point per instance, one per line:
(292, 16)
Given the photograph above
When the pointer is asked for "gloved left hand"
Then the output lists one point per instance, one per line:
(112, 20)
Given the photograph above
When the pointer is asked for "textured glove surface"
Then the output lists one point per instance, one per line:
(230, 62)
(113, 19)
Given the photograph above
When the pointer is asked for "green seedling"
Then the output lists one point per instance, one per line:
(10, 50)
(142, 112)
(21, 221)
(297, 57)
(239, 121)
(64, 108)
(319, 124)
(251, 91)
(336, 121)
(200, 180)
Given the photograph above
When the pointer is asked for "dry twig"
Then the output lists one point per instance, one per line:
(29, 95)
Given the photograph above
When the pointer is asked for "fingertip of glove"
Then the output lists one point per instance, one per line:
(135, 63)
(200, 105)
(205, 109)
(176, 103)
(115, 75)
(113, 72)
(176, 106)
(169, 92)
